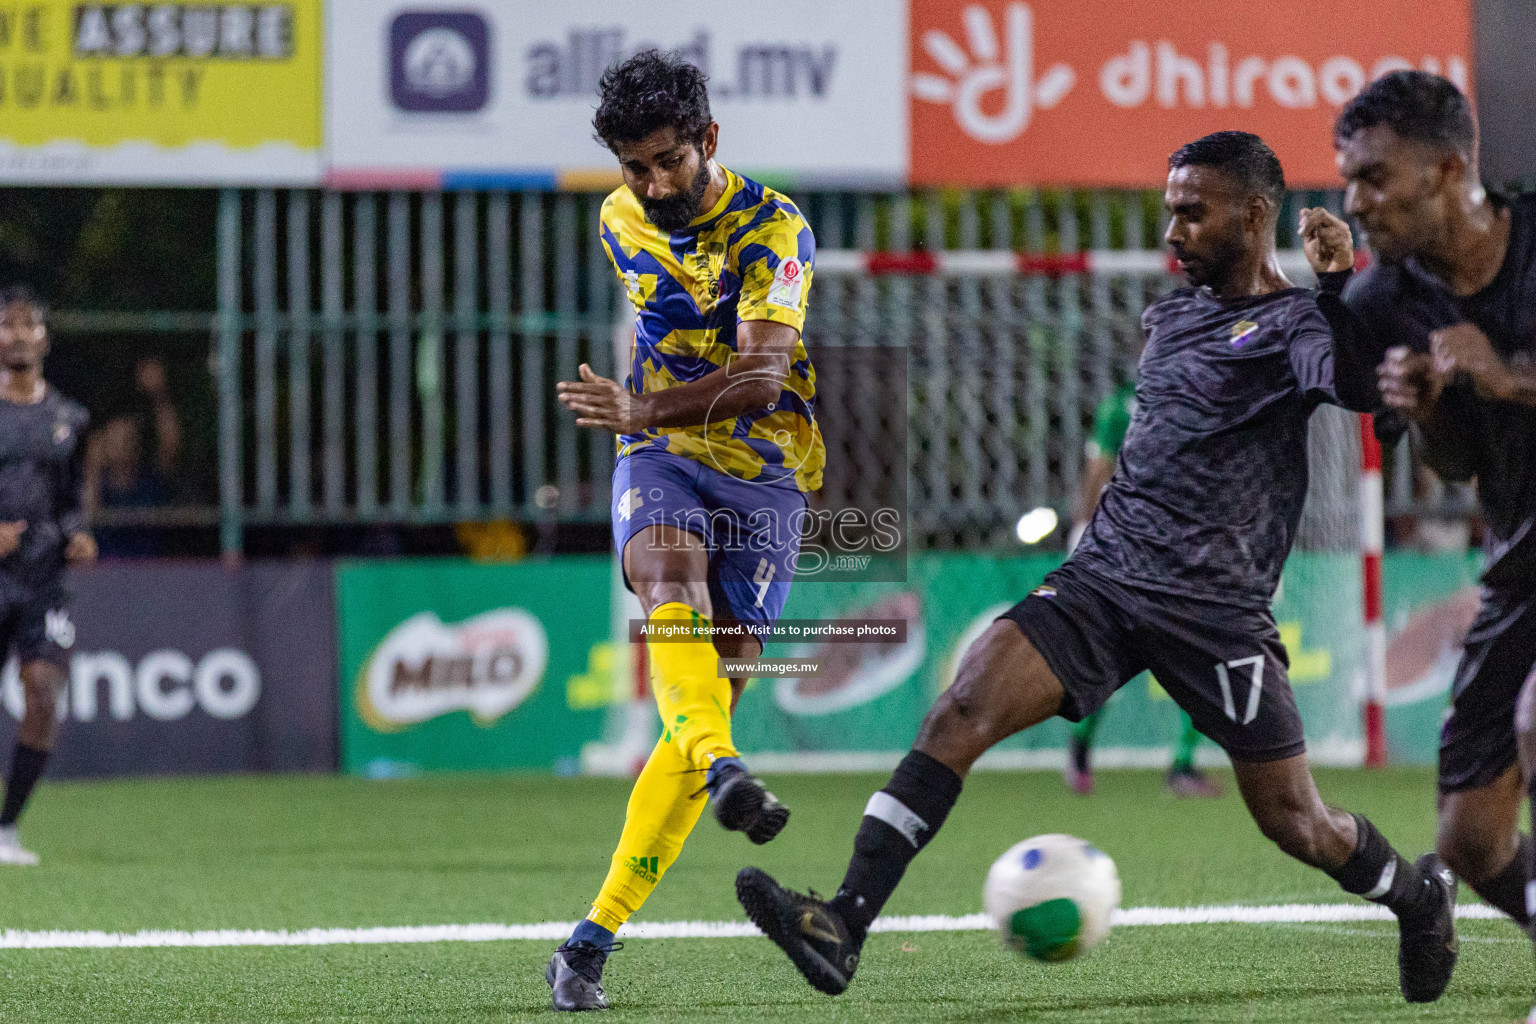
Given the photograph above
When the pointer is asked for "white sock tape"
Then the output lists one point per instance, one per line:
(1384, 883)
(896, 814)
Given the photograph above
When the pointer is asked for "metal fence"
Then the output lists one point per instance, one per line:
(391, 358)
(405, 373)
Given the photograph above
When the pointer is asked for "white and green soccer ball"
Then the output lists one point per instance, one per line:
(1051, 897)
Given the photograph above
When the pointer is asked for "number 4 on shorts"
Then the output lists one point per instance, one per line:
(763, 577)
(1256, 663)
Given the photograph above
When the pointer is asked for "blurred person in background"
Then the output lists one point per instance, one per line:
(42, 528)
(1110, 422)
(117, 477)
(159, 425)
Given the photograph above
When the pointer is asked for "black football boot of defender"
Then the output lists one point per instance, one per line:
(805, 927)
(1427, 946)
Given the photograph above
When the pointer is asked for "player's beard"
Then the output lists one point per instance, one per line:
(1211, 268)
(676, 211)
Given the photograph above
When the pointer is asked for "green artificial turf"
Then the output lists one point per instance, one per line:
(326, 852)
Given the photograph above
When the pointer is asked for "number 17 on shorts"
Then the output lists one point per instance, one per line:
(1237, 669)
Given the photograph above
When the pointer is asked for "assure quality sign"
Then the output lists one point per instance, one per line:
(502, 91)
(160, 94)
(1099, 92)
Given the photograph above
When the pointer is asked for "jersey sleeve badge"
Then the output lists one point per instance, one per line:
(788, 283)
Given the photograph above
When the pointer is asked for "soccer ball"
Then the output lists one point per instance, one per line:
(1051, 897)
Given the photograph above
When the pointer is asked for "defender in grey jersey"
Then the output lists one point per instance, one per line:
(1452, 302)
(1174, 574)
(1211, 479)
(42, 527)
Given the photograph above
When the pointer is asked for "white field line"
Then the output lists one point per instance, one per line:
(1391, 933)
(1290, 913)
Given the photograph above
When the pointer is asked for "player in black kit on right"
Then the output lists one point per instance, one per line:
(1175, 573)
(42, 526)
(1452, 299)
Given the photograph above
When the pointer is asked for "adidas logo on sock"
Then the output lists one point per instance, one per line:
(648, 868)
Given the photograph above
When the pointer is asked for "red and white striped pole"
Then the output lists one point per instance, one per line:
(1372, 530)
(1008, 263)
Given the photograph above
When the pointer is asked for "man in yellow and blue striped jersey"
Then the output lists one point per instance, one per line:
(718, 446)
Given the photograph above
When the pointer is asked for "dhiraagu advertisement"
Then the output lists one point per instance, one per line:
(453, 664)
(160, 94)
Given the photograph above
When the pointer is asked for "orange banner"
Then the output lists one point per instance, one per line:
(1099, 92)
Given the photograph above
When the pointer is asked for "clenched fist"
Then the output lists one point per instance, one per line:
(1409, 382)
(1464, 348)
(1326, 239)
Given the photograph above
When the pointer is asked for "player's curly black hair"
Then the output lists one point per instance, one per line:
(1416, 105)
(651, 90)
(1243, 155)
(20, 294)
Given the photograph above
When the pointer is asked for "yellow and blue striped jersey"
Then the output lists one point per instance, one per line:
(748, 258)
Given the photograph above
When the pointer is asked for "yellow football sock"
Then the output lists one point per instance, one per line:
(663, 808)
(693, 699)
(669, 794)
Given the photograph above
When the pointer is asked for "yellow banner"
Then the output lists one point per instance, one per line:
(165, 92)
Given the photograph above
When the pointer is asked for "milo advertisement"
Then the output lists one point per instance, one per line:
(453, 664)
(458, 665)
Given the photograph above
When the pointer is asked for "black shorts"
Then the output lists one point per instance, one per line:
(36, 626)
(1222, 664)
(1477, 741)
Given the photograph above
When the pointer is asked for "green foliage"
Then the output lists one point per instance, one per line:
(111, 248)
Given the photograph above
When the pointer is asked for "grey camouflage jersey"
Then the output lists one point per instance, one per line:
(1208, 489)
(42, 450)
